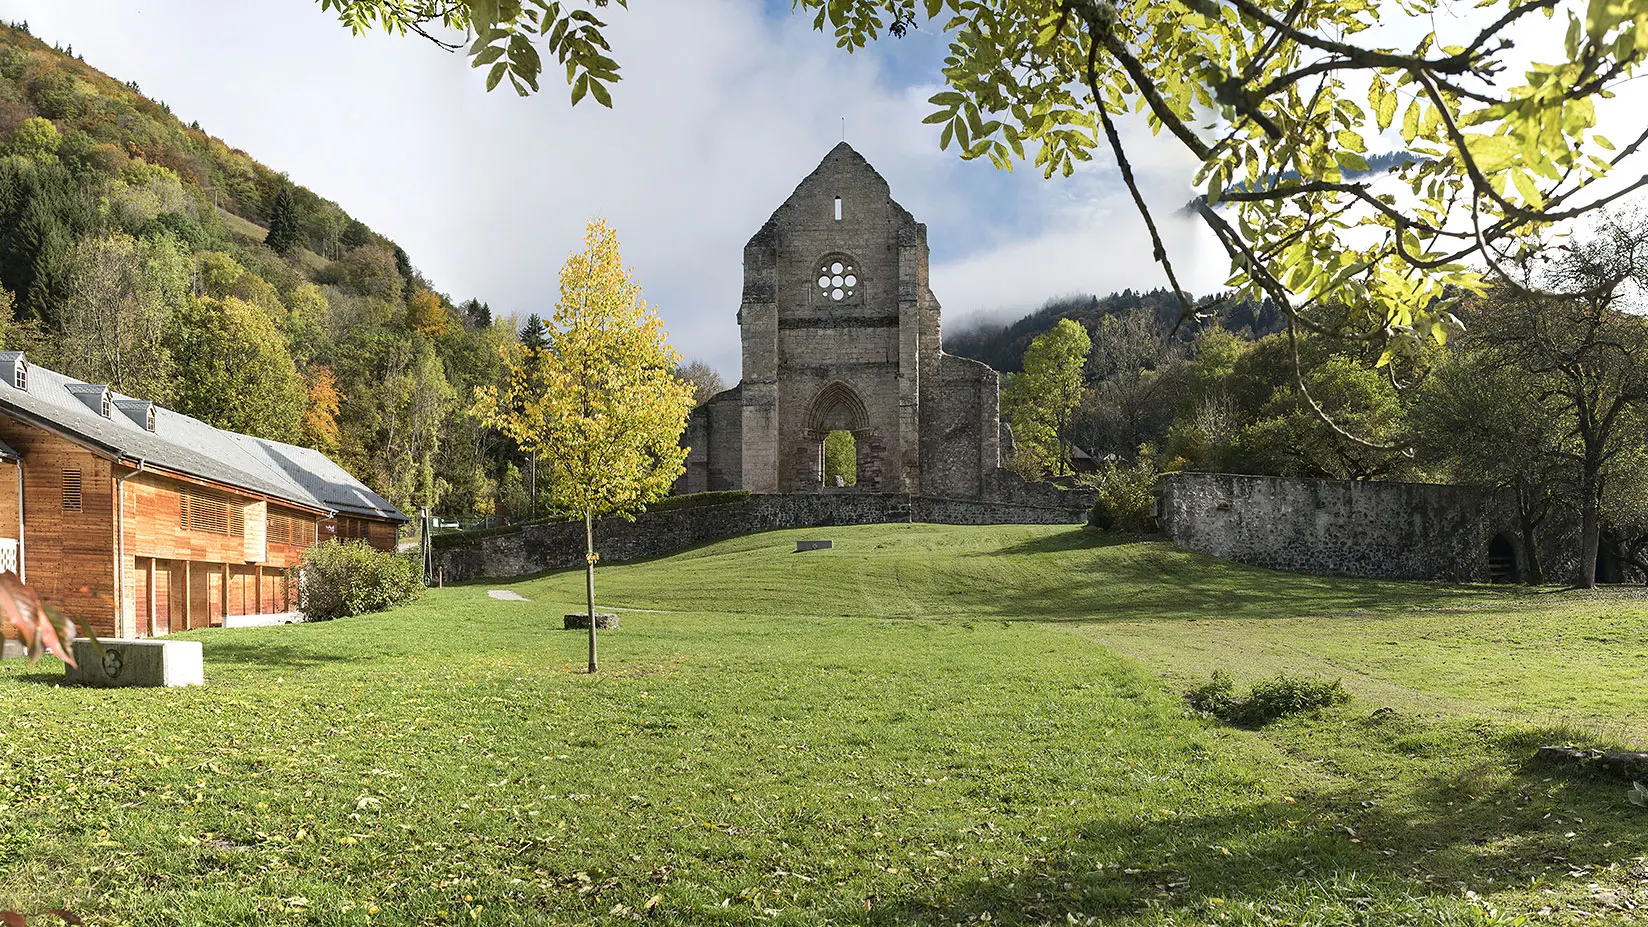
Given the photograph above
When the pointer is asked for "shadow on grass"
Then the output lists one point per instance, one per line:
(1322, 851)
(283, 656)
(43, 677)
(1134, 577)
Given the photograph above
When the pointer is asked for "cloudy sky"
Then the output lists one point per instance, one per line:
(725, 106)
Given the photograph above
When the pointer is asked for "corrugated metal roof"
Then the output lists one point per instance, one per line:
(190, 446)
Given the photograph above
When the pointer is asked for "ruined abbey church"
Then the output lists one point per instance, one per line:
(841, 333)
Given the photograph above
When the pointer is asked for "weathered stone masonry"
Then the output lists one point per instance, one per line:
(841, 332)
(1393, 530)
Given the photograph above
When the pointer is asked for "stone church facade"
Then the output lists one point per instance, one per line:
(841, 333)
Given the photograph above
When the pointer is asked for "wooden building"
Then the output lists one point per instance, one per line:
(136, 520)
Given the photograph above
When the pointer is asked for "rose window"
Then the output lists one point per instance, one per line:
(837, 279)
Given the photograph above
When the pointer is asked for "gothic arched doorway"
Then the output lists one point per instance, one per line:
(838, 424)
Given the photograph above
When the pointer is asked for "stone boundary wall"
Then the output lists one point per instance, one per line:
(536, 548)
(1327, 527)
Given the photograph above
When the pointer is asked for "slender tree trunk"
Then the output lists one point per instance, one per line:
(1530, 538)
(589, 578)
(1589, 529)
(1530, 547)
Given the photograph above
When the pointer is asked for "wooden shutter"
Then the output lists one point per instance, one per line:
(280, 529)
(206, 513)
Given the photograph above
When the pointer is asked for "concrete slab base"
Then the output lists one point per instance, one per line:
(261, 621)
(137, 663)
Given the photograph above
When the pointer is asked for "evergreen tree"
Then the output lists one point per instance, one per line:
(534, 334)
(285, 232)
(475, 313)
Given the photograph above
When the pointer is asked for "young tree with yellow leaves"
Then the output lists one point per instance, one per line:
(600, 403)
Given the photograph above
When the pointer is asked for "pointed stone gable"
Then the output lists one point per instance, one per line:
(836, 315)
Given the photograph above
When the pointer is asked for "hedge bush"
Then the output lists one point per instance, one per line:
(696, 499)
(1267, 701)
(343, 578)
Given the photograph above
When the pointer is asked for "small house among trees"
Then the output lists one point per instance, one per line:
(136, 520)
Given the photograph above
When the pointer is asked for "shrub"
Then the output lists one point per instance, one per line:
(1214, 696)
(1127, 493)
(342, 578)
(1267, 701)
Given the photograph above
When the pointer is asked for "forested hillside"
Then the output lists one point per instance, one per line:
(1002, 346)
(146, 254)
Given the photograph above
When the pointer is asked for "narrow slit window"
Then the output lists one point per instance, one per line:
(838, 209)
(71, 489)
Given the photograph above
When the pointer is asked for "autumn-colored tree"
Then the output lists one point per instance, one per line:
(320, 414)
(427, 315)
(600, 403)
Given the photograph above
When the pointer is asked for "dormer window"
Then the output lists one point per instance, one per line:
(18, 365)
(140, 411)
(96, 396)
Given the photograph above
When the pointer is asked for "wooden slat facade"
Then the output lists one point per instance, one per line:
(175, 571)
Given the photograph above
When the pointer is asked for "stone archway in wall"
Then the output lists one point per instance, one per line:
(838, 408)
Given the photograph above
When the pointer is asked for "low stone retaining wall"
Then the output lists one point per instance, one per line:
(536, 548)
(1392, 530)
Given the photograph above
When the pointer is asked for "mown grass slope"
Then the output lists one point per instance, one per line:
(926, 725)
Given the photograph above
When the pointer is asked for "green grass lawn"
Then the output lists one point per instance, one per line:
(928, 725)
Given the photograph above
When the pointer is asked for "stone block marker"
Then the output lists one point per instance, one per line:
(580, 620)
(137, 663)
(813, 545)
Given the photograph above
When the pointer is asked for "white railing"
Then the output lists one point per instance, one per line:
(8, 555)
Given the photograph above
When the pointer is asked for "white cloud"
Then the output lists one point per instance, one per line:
(722, 112)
